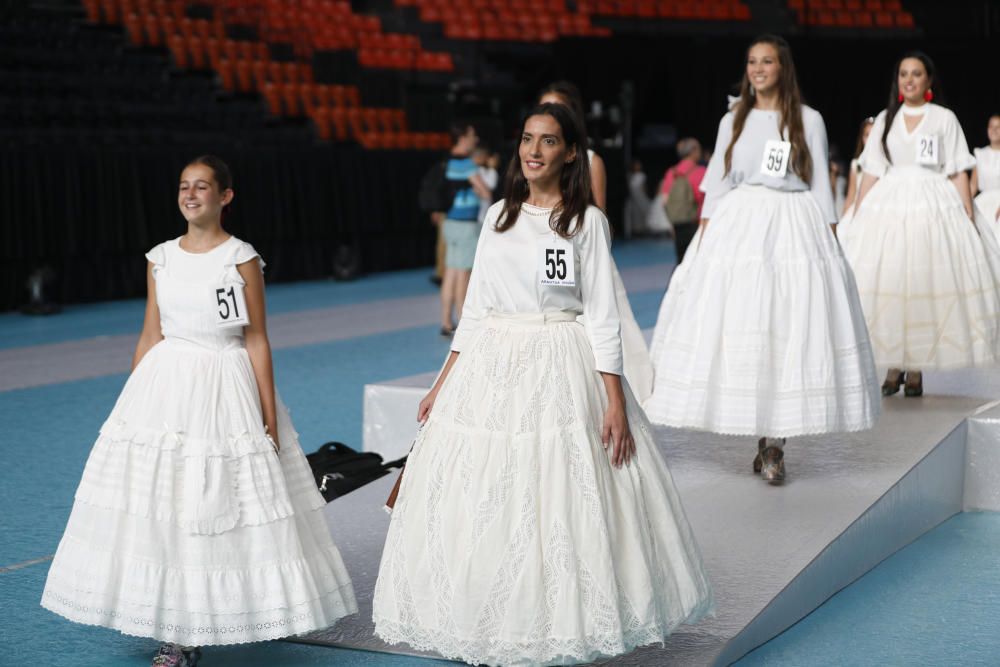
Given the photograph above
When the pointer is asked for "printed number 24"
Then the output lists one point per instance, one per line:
(224, 297)
(555, 263)
(926, 148)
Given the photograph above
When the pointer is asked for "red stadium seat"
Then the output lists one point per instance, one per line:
(272, 95)
(227, 75)
(133, 28)
(905, 20)
(196, 47)
(178, 49)
(321, 120)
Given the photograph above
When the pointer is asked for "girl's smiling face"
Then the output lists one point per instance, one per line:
(198, 196)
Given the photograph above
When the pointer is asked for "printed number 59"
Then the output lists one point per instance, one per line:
(774, 159)
(555, 263)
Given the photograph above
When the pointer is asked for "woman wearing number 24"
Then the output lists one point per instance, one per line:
(536, 522)
(761, 332)
(197, 520)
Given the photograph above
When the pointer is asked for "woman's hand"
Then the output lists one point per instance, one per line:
(426, 405)
(616, 434)
(272, 435)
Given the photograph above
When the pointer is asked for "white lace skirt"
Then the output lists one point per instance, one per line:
(988, 203)
(187, 527)
(514, 541)
(929, 281)
(761, 332)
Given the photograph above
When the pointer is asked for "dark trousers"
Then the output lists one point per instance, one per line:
(683, 235)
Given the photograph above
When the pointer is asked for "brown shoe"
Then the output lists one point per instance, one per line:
(914, 387)
(893, 381)
(773, 469)
(758, 462)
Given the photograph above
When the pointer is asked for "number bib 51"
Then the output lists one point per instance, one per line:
(556, 263)
(230, 306)
(775, 160)
(928, 150)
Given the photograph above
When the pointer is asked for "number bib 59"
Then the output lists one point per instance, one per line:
(928, 150)
(556, 264)
(230, 306)
(775, 160)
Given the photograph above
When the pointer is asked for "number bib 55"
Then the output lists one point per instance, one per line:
(230, 306)
(556, 263)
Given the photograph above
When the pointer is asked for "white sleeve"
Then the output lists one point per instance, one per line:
(956, 150)
(474, 308)
(597, 290)
(872, 159)
(157, 256)
(820, 187)
(716, 182)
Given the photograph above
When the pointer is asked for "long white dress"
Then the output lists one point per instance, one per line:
(514, 540)
(761, 331)
(927, 277)
(187, 526)
(988, 177)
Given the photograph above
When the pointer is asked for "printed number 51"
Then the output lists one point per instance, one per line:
(223, 298)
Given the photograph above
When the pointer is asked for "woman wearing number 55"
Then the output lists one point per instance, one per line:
(536, 522)
(929, 278)
(764, 334)
(197, 521)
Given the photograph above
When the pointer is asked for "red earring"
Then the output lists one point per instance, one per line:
(900, 98)
(928, 95)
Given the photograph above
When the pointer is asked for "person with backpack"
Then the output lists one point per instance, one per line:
(682, 195)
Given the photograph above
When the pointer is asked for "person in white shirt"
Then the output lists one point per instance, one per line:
(761, 331)
(986, 174)
(536, 522)
(927, 277)
(855, 172)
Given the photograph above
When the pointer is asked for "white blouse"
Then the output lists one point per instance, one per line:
(505, 280)
(937, 121)
(748, 153)
(988, 168)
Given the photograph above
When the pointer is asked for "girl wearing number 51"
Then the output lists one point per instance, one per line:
(929, 277)
(536, 523)
(762, 333)
(197, 521)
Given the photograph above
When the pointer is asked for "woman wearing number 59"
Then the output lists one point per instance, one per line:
(764, 335)
(197, 521)
(929, 279)
(536, 522)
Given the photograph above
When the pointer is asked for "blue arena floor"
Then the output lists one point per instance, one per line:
(927, 605)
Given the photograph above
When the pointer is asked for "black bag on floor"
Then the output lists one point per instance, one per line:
(338, 469)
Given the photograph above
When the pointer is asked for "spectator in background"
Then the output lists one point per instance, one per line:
(638, 202)
(486, 162)
(682, 197)
(460, 226)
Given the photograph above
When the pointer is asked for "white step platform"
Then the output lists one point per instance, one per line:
(774, 554)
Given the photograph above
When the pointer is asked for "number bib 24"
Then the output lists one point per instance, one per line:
(775, 159)
(230, 306)
(928, 150)
(556, 264)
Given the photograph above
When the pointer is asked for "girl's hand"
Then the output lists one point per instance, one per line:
(424, 411)
(616, 434)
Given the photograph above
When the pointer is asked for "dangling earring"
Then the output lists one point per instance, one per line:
(900, 97)
(753, 91)
(928, 95)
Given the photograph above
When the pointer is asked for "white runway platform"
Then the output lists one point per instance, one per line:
(774, 554)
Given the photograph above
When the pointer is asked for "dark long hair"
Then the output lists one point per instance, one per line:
(894, 102)
(860, 145)
(569, 92)
(574, 180)
(789, 104)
